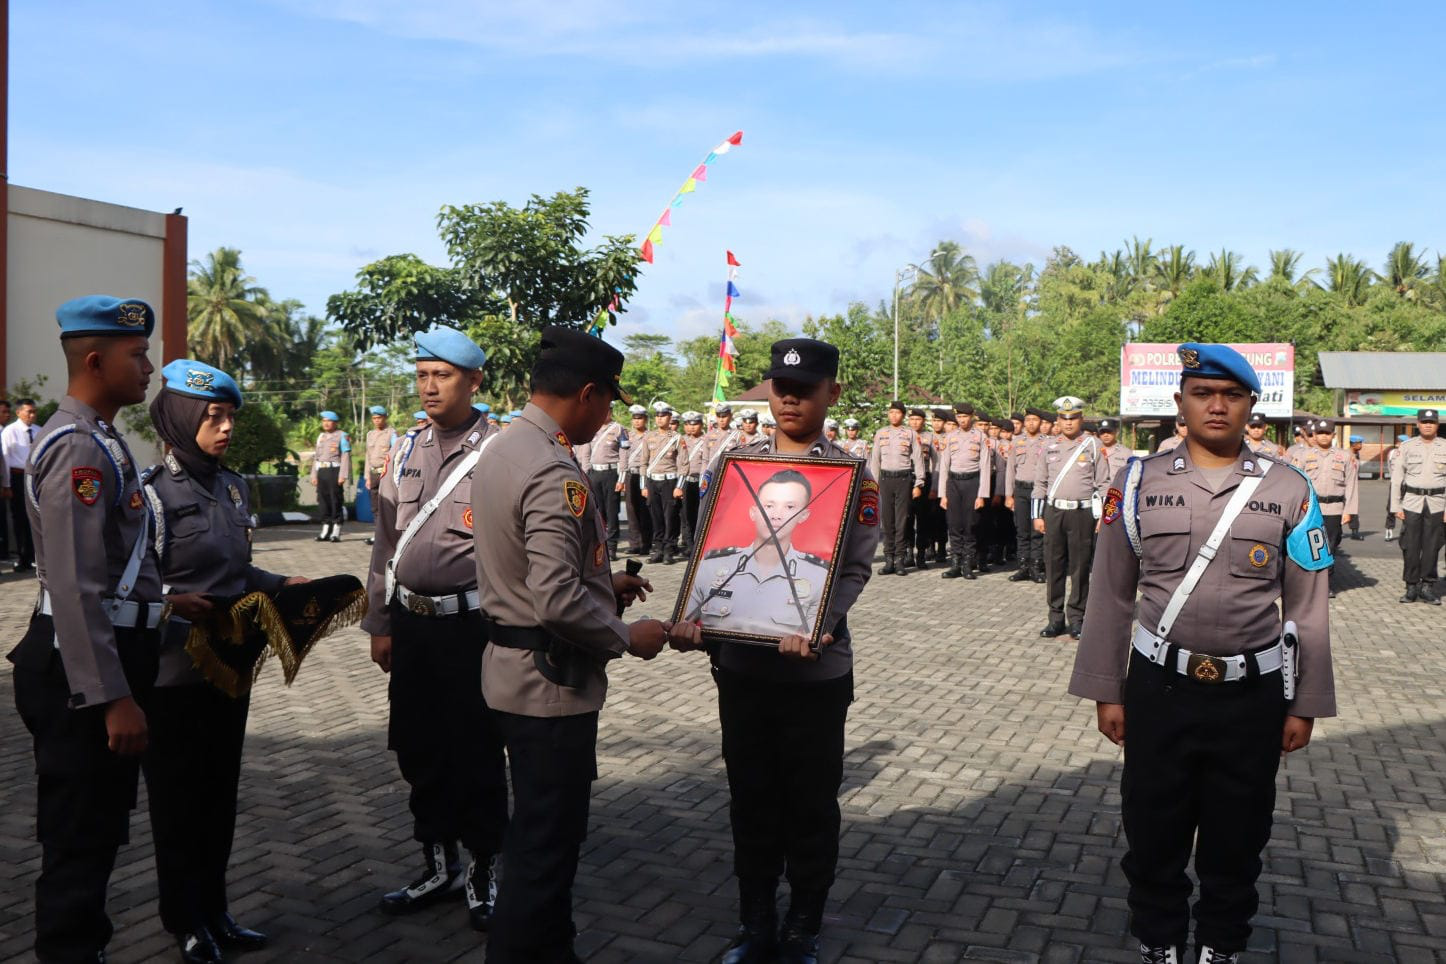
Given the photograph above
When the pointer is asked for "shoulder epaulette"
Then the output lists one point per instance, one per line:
(725, 551)
(149, 473)
(807, 557)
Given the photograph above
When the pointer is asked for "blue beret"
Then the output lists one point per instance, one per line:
(482, 407)
(104, 315)
(1358, 438)
(515, 412)
(440, 343)
(1217, 361)
(199, 380)
(1402, 438)
(505, 419)
(419, 416)
(378, 410)
(331, 415)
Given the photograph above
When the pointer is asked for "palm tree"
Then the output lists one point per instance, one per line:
(1225, 269)
(1004, 288)
(1142, 262)
(1405, 270)
(1349, 277)
(1285, 264)
(1119, 279)
(1174, 268)
(946, 282)
(224, 307)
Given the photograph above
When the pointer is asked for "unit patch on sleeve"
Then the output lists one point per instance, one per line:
(85, 483)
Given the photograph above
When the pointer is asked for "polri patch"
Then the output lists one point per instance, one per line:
(575, 493)
(85, 483)
(1114, 498)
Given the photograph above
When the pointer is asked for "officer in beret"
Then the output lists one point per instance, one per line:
(640, 520)
(193, 764)
(965, 480)
(1212, 695)
(1068, 497)
(897, 461)
(505, 420)
(379, 441)
(1255, 430)
(330, 472)
(427, 631)
(551, 606)
(694, 450)
(85, 669)
(998, 519)
(917, 533)
(1418, 499)
(1173, 442)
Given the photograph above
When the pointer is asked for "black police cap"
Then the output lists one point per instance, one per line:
(916, 411)
(963, 408)
(589, 356)
(897, 405)
(805, 360)
(1109, 425)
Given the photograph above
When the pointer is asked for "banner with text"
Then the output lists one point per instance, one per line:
(1150, 377)
(1393, 403)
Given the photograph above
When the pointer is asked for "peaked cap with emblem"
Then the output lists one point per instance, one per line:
(691, 416)
(440, 343)
(1428, 415)
(830, 423)
(1070, 406)
(942, 414)
(805, 360)
(748, 415)
(636, 410)
(1322, 426)
(1256, 418)
(586, 355)
(851, 423)
(662, 408)
(1109, 425)
(896, 405)
(722, 408)
(1198, 360)
(198, 380)
(105, 315)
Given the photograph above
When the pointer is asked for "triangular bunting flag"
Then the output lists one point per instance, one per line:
(677, 200)
(656, 235)
(689, 186)
(701, 174)
(733, 261)
(647, 251)
(736, 139)
(733, 291)
(667, 218)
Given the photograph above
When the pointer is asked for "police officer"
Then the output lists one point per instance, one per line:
(830, 429)
(918, 534)
(695, 449)
(1213, 693)
(427, 631)
(1391, 458)
(1173, 442)
(999, 516)
(379, 441)
(941, 421)
(1070, 482)
(965, 477)
(1356, 441)
(767, 424)
(782, 712)
(854, 444)
(551, 607)
(897, 462)
(1023, 469)
(419, 418)
(604, 453)
(1331, 473)
(1255, 430)
(86, 665)
(748, 421)
(640, 520)
(193, 763)
(659, 460)
(1304, 443)
(330, 472)
(1115, 454)
(721, 435)
(1418, 499)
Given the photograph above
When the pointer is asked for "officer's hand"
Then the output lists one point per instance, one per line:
(944, 502)
(295, 581)
(646, 638)
(1401, 514)
(1297, 733)
(677, 493)
(618, 487)
(1038, 525)
(382, 652)
(685, 636)
(1346, 519)
(125, 727)
(191, 605)
(1097, 526)
(644, 492)
(1110, 718)
(797, 647)
(978, 504)
(629, 588)
(918, 491)
(1009, 503)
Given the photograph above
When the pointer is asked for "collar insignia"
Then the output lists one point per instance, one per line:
(1179, 463)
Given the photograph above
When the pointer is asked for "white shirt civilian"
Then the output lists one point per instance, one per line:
(15, 440)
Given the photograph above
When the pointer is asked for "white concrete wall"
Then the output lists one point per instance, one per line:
(62, 247)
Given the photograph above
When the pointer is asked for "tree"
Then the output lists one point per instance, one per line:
(1285, 266)
(401, 294)
(223, 308)
(257, 438)
(1349, 277)
(1173, 271)
(1229, 271)
(948, 282)
(1406, 270)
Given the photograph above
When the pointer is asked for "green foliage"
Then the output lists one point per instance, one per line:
(257, 438)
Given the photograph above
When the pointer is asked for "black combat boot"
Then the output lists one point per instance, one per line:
(969, 564)
(756, 941)
(798, 939)
(441, 877)
(1022, 574)
(198, 947)
(481, 890)
(1427, 594)
(656, 555)
(1412, 593)
(888, 569)
(1039, 573)
(955, 567)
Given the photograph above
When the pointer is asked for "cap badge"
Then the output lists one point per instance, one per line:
(131, 315)
(1189, 357)
(792, 358)
(199, 379)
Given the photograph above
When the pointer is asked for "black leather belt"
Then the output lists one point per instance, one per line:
(1023, 486)
(1413, 490)
(1330, 499)
(965, 476)
(896, 474)
(517, 637)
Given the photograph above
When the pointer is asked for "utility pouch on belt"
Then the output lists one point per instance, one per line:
(1290, 658)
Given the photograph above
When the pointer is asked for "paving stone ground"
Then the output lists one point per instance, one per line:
(981, 809)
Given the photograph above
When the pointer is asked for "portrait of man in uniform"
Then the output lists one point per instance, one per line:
(764, 561)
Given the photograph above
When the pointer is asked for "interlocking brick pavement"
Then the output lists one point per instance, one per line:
(981, 809)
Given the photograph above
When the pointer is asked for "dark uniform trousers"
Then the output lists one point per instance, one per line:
(999, 523)
(1068, 550)
(20, 540)
(1199, 773)
(1421, 538)
(1029, 545)
(783, 745)
(962, 489)
(85, 792)
(640, 519)
(554, 764)
(919, 533)
(447, 740)
(691, 502)
(193, 769)
(605, 495)
(328, 493)
(1333, 528)
(665, 509)
(896, 489)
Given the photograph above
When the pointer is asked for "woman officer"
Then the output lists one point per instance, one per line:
(194, 762)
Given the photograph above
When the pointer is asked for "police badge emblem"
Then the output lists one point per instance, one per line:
(575, 494)
(792, 358)
(1189, 358)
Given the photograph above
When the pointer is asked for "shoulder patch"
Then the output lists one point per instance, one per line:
(869, 503)
(575, 495)
(85, 483)
(1113, 499)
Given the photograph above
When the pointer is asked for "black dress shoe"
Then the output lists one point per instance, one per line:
(440, 879)
(1428, 595)
(655, 558)
(1053, 630)
(198, 947)
(755, 944)
(613, 553)
(1075, 630)
(336, 538)
(1412, 594)
(1020, 575)
(888, 569)
(1039, 576)
(797, 946)
(228, 933)
(953, 572)
(481, 891)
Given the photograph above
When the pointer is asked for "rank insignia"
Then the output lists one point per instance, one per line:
(563, 440)
(575, 493)
(85, 483)
(1113, 498)
(1259, 556)
(467, 517)
(136, 499)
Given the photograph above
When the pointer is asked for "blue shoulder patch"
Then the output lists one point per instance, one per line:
(1307, 544)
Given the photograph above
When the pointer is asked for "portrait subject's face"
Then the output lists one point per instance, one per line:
(783, 507)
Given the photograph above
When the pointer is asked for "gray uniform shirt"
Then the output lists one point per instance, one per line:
(1086, 470)
(1333, 472)
(1024, 461)
(1420, 465)
(438, 560)
(333, 448)
(726, 576)
(204, 543)
(660, 452)
(86, 510)
(897, 449)
(1237, 605)
(603, 451)
(542, 562)
(966, 451)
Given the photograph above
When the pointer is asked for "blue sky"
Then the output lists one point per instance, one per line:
(317, 135)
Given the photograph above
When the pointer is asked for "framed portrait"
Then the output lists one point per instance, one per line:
(768, 547)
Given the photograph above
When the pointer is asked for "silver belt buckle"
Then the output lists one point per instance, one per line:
(422, 605)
